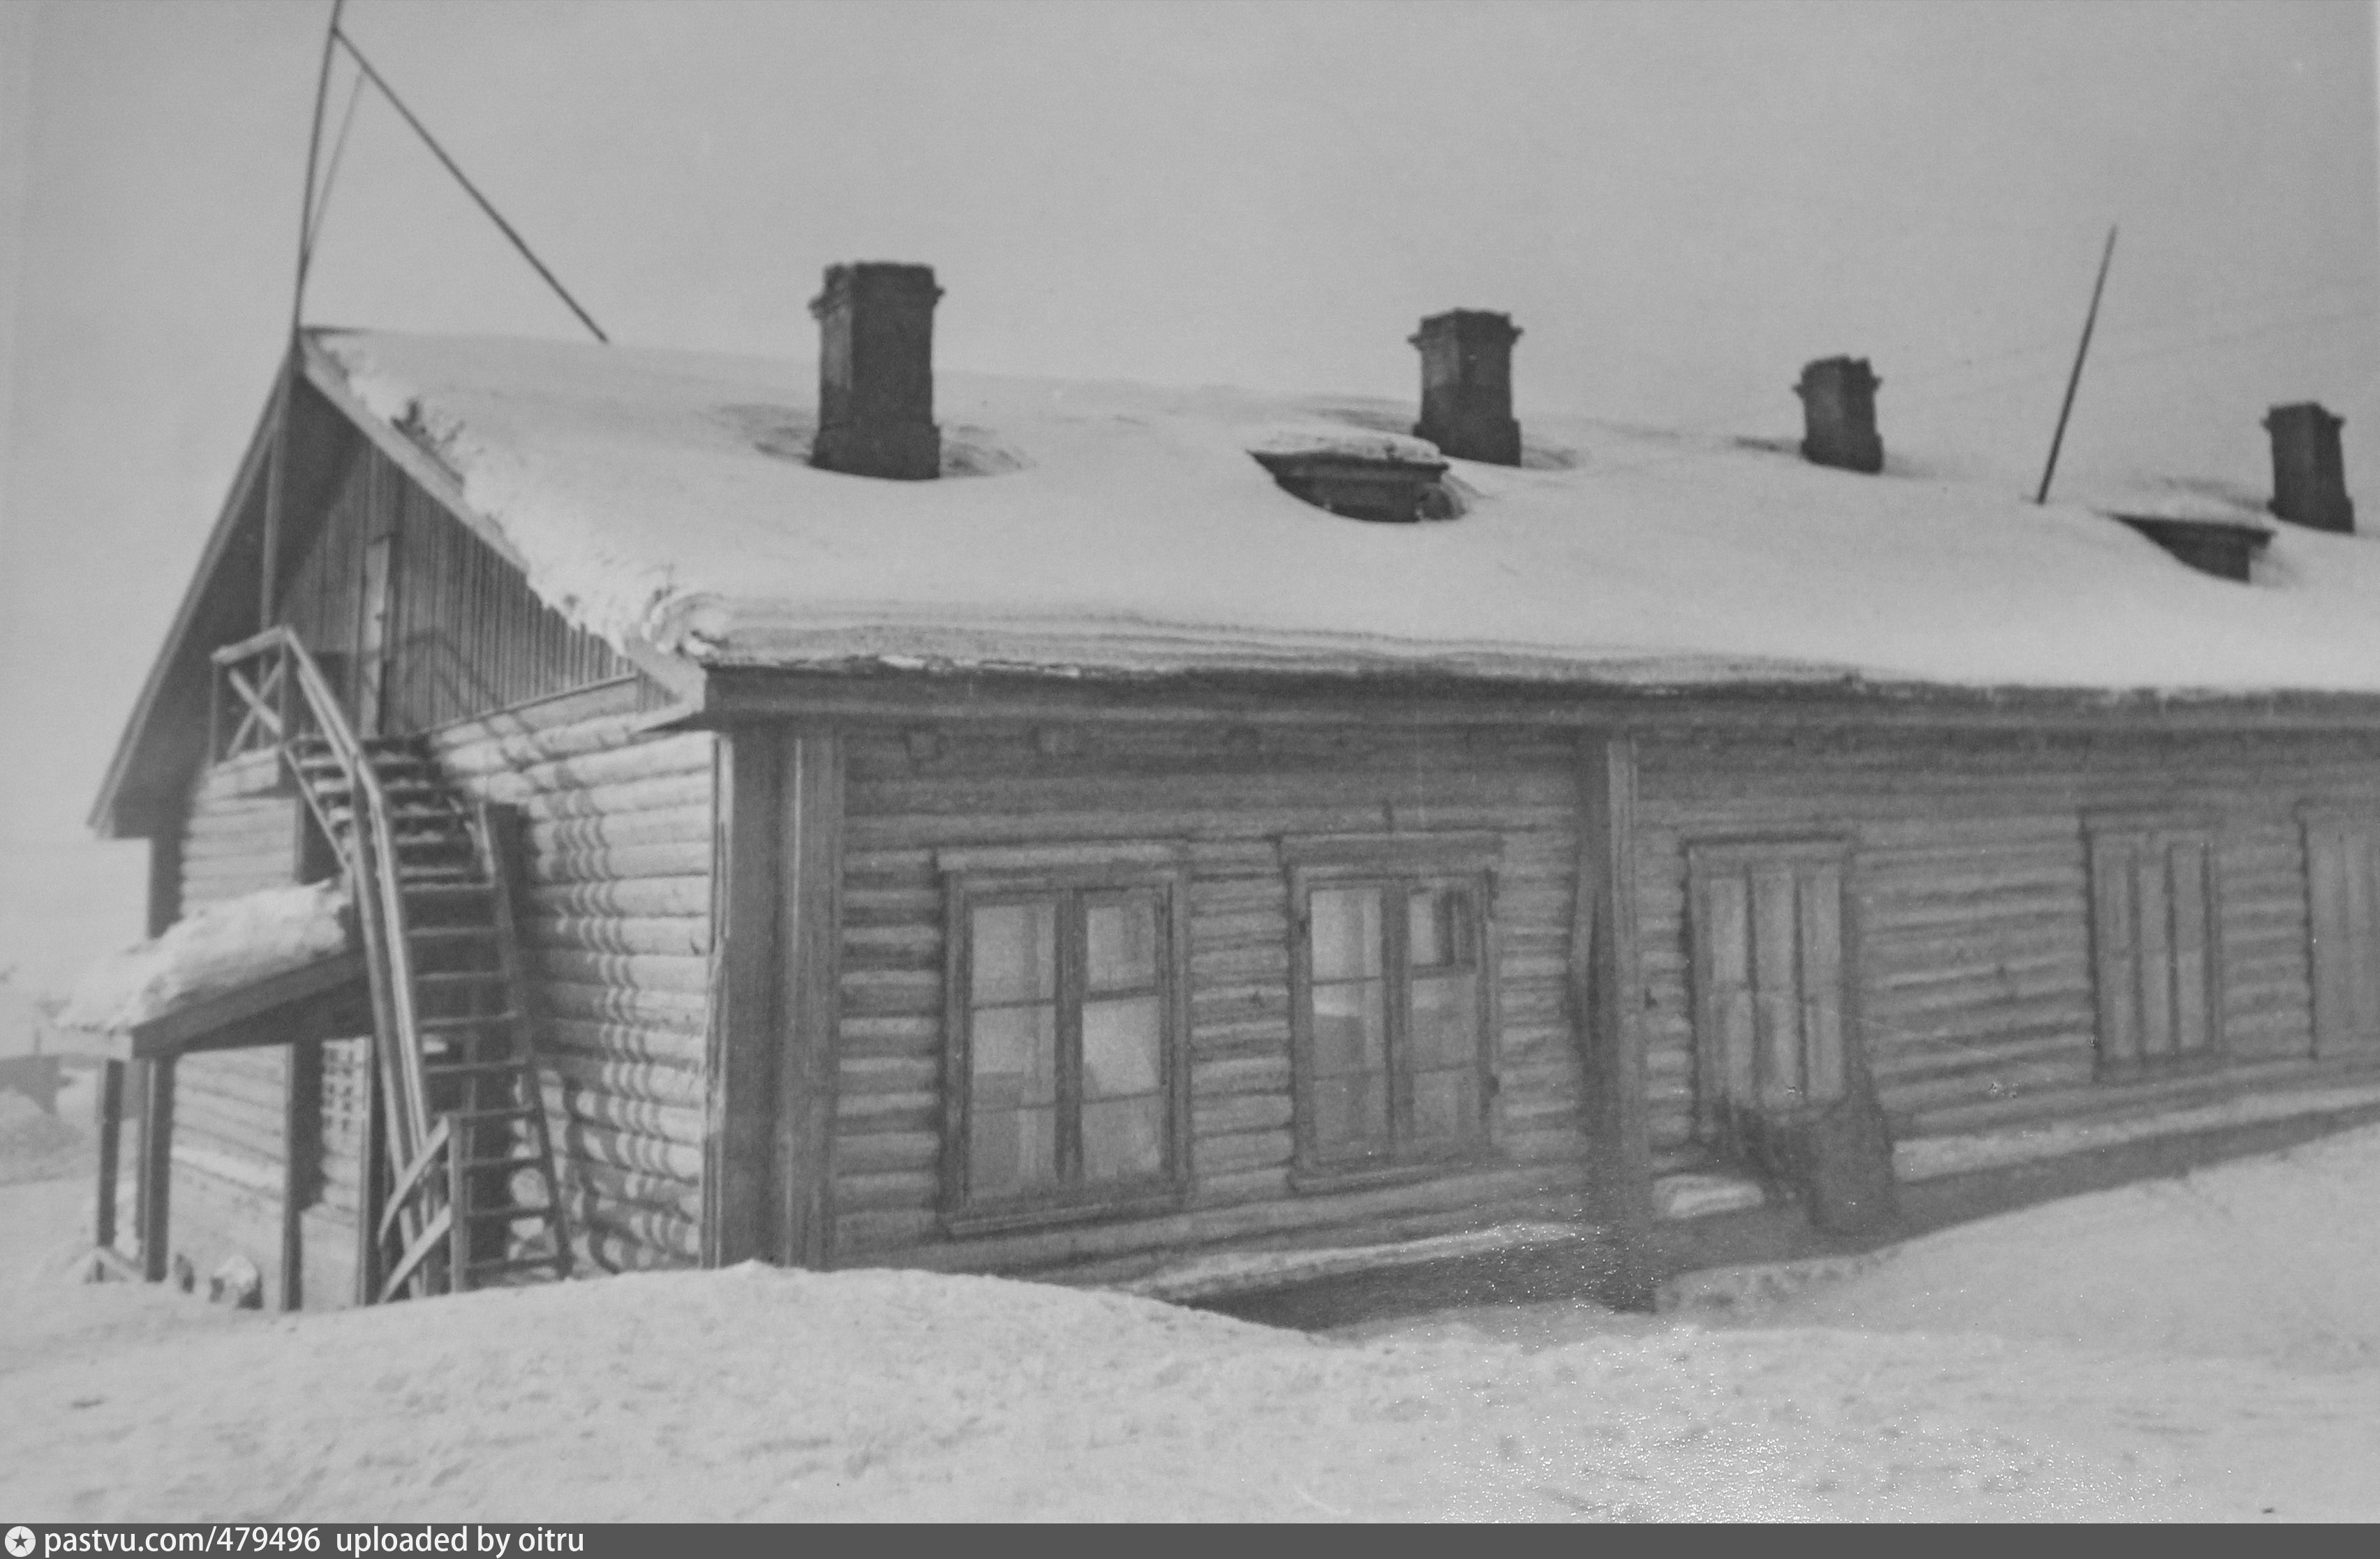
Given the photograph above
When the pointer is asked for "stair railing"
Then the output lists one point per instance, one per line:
(283, 696)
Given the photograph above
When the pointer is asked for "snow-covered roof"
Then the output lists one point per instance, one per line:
(212, 950)
(1121, 528)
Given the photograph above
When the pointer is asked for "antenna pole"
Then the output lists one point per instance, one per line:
(2075, 379)
(268, 586)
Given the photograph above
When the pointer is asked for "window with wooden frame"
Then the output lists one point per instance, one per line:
(2342, 850)
(1066, 1089)
(2155, 941)
(1392, 998)
(1770, 995)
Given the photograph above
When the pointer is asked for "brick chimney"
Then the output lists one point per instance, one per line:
(2309, 479)
(876, 371)
(1466, 385)
(1838, 414)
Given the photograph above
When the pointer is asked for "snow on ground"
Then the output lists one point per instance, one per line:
(1124, 528)
(2193, 1347)
(214, 949)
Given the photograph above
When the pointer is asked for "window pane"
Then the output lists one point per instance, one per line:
(1015, 952)
(1120, 1047)
(1445, 1021)
(1012, 1100)
(1351, 1113)
(1435, 928)
(1446, 1104)
(1120, 945)
(1124, 1138)
(1346, 923)
(1349, 1029)
(1011, 1151)
(1013, 1056)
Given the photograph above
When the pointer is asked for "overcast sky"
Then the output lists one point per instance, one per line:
(1680, 205)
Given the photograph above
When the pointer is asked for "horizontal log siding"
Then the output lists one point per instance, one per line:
(227, 1105)
(1230, 804)
(1970, 890)
(616, 916)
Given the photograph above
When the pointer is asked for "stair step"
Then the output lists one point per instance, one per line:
(517, 1163)
(512, 1215)
(440, 1025)
(516, 1066)
(515, 1263)
(449, 889)
(460, 977)
(451, 933)
(507, 1112)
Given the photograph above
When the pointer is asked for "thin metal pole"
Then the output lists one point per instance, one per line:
(2075, 379)
(331, 173)
(269, 583)
(469, 187)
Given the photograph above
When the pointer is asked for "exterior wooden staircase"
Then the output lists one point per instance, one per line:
(460, 1185)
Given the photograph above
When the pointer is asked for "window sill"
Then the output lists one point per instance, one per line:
(1138, 1202)
(1321, 1179)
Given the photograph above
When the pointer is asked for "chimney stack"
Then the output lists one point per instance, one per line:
(1838, 414)
(1466, 385)
(2309, 478)
(876, 372)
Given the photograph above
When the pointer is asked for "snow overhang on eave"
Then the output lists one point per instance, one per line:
(740, 694)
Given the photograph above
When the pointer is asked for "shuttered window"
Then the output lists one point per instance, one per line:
(1392, 1000)
(1767, 927)
(1065, 1086)
(2343, 904)
(2155, 949)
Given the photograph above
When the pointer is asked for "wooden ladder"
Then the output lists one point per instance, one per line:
(469, 1198)
(455, 1212)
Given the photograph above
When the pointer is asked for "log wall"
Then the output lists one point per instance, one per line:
(1971, 893)
(1228, 797)
(616, 919)
(240, 837)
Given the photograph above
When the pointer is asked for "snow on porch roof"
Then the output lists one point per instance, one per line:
(1118, 528)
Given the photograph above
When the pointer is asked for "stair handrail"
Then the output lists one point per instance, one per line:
(373, 863)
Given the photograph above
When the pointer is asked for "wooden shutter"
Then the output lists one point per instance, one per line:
(2343, 892)
(1821, 887)
(1777, 986)
(2115, 944)
(2155, 944)
(1728, 1042)
(1767, 941)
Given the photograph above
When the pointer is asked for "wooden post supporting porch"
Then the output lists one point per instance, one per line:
(156, 1185)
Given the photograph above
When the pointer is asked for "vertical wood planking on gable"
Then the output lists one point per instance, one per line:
(418, 621)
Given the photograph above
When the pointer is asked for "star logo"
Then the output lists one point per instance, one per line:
(20, 1541)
